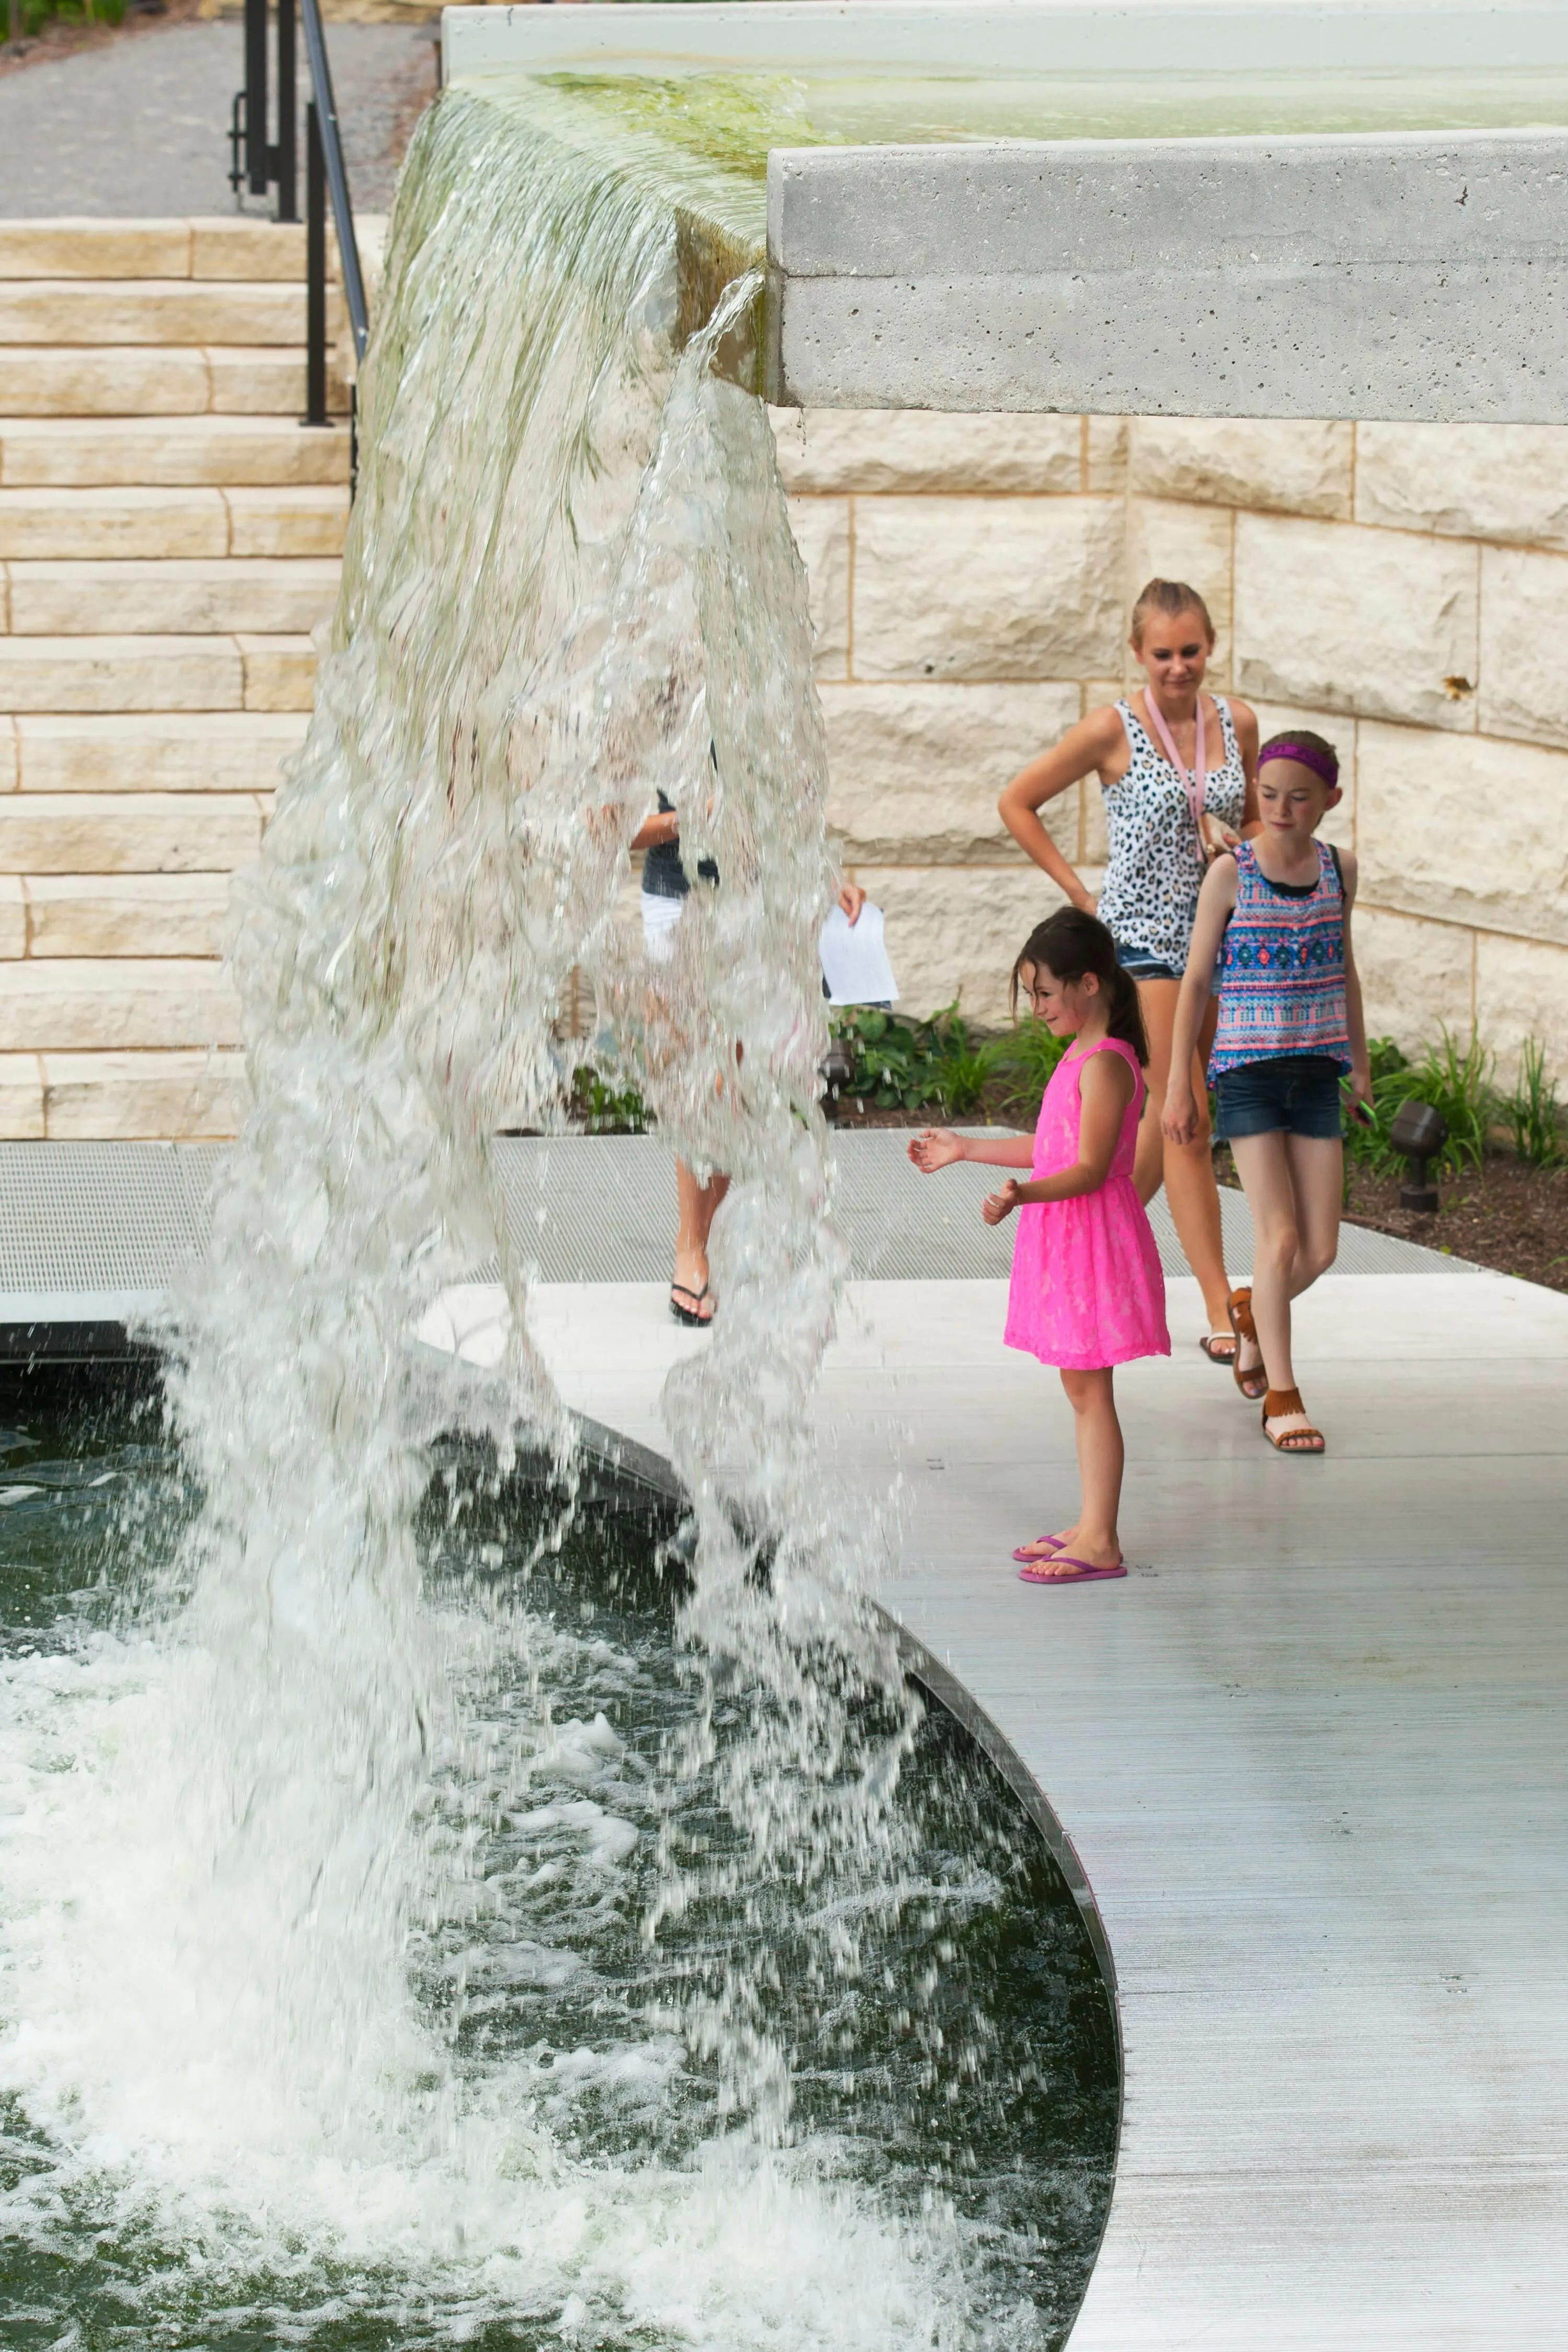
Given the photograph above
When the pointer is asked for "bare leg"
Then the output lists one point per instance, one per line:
(1099, 1459)
(1185, 1169)
(697, 1205)
(1292, 1186)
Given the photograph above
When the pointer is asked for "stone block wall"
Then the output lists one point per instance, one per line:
(1402, 588)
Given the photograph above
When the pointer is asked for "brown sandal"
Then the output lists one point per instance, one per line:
(1294, 1441)
(1239, 1307)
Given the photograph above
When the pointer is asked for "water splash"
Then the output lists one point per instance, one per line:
(569, 584)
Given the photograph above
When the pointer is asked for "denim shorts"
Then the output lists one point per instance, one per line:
(1295, 1094)
(1142, 965)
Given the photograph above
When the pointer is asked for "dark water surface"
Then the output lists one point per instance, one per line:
(954, 2047)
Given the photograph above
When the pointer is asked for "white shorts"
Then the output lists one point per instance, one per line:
(659, 917)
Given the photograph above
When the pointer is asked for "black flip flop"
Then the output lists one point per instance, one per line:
(688, 1315)
(1220, 1348)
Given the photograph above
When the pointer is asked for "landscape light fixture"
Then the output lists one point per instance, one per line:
(838, 1072)
(1419, 1132)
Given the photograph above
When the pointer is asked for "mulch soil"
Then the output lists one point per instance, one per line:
(1503, 1214)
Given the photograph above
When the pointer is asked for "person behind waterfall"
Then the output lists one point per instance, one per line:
(665, 888)
(1289, 1022)
(1087, 1293)
(1176, 767)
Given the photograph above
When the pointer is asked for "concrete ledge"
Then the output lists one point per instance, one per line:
(871, 36)
(1417, 277)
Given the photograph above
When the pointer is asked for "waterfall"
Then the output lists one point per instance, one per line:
(263, 1808)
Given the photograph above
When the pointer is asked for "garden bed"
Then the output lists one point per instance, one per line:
(1503, 1214)
(53, 32)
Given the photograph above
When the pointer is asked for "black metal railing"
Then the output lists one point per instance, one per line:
(256, 164)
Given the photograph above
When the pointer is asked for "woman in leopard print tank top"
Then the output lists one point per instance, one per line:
(1177, 770)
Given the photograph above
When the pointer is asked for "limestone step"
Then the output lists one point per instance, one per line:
(128, 833)
(114, 524)
(295, 520)
(174, 596)
(124, 914)
(119, 1097)
(220, 248)
(156, 673)
(154, 752)
(95, 310)
(67, 452)
(159, 380)
(21, 1099)
(110, 1004)
(280, 672)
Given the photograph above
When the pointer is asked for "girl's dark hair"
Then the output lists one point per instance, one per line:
(1071, 944)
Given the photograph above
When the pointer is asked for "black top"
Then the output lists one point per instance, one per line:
(663, 874)
(1305, 890)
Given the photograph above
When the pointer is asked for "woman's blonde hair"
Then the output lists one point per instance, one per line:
(1169, 598)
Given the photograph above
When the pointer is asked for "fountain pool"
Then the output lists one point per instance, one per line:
(572, 2174)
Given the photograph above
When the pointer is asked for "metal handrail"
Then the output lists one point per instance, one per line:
(259, 165)
(326, 112)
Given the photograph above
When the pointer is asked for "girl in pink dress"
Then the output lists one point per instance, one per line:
(1088, 1292)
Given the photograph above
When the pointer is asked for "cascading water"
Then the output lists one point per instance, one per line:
(283, 1822)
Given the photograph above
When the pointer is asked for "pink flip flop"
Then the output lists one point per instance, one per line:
(1083, 1570)
(1042, 1547)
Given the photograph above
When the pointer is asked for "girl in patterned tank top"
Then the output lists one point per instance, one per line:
(1277, 910)
(1175, 766)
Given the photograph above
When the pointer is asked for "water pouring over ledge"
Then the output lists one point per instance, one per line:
(358, 1866)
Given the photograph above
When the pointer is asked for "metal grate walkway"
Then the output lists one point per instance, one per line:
(87, 1227)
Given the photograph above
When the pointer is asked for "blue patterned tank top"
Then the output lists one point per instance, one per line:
(1282, 969)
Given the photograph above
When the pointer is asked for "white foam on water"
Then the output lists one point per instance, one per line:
(165, 2117)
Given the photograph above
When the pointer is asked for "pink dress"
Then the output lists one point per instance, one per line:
(1088, 1290)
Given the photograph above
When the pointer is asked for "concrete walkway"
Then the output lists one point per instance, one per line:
(1311, 1755)
(139, 129)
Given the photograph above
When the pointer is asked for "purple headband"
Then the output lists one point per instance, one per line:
(1321, 764)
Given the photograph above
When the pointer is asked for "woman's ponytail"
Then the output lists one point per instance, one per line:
(1072, 943)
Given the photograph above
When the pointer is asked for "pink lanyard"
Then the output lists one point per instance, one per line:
(1194, 785)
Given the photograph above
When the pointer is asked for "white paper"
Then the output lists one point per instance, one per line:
(855, 958)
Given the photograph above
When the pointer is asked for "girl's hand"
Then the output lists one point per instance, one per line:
(1086, 902)
(1001, 1204)
(1181, 1119)
(851, 898)
(1361, 1092)
(934, 1148)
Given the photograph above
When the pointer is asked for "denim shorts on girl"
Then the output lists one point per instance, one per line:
(1290, 1094)
(1142, 964)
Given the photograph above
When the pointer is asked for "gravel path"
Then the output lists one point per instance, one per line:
(140, 128)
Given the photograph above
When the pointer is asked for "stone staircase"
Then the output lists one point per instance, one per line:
(169, 537)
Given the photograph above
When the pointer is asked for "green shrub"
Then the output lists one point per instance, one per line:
(904, 1065)
(942, 1067)
(605, 1107)
(1022, 1061)
(1456, 1080)
(1531, 1112)
(36, 14)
